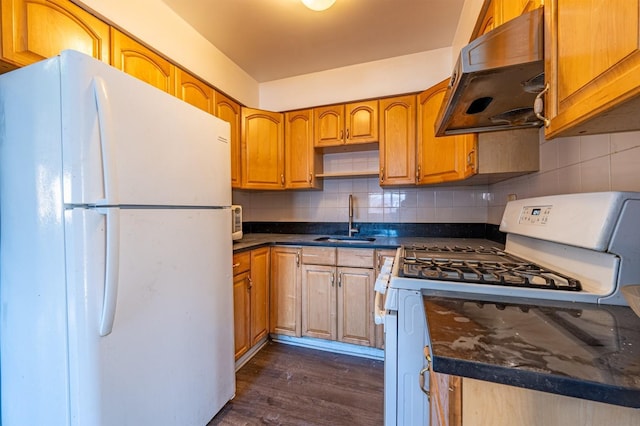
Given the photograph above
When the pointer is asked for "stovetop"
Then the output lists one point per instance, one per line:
(481, 265)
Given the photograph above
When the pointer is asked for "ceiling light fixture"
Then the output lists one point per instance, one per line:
(318, 5)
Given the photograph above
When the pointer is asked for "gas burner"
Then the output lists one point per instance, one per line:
(502, 269)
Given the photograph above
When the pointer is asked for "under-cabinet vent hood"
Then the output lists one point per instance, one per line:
(496, 79)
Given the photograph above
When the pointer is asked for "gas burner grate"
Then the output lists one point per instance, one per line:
(418, 250)
(516, 274)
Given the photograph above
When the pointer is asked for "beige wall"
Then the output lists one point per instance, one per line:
(403, 74)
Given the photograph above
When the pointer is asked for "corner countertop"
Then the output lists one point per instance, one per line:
(580, 350)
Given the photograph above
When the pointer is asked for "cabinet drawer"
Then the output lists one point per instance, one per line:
(319, 255)
(241, 262)
(358, 258)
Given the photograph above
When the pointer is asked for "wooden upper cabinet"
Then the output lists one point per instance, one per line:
(194, 91)
(302, 162)
(361, 122)
(592, 66)
(338, 125)
(441, 159)
(141, 62)
(229, 110)
(398, 140)
(33, 30)
(262, 149)
(496, 12)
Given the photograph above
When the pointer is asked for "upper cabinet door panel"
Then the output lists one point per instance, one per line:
(398, 140)
(141, 62)
(194, 91)
(301, 160)
(229, 111)
(592, 66)
(441, 159)
(329, 125)
(362, 122)
(262, 149)
(33, 30)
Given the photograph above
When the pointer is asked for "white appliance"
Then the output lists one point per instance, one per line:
(116, 281)
(236, 222)
(573, 247)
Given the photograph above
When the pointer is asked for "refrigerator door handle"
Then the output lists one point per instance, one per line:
(112, 266)
(105, 126)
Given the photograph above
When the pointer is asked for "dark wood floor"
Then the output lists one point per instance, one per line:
(289, 385)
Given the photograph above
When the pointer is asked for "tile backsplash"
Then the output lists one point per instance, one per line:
(575, 164)
(607, 162)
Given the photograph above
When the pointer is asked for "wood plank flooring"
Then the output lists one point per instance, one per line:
(289, 385)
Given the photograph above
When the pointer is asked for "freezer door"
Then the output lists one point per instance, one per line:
(169, 358)
(126, 142)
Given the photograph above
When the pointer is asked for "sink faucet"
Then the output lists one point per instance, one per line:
(352, 230)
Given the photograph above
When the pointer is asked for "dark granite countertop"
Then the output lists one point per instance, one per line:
(580, 350)
(251, 241)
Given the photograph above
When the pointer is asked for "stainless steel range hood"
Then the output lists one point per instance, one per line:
(496, 80)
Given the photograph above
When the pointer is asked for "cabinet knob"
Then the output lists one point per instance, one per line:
(341, 134)
(249, 283)
(382, 174)
(347, 134)
(282, 179)
(418, 174)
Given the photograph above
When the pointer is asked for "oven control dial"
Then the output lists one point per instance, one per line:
(535, 215)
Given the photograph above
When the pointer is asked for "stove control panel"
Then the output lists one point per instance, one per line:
(535, 215)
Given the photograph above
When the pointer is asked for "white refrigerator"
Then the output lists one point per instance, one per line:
(115, 251)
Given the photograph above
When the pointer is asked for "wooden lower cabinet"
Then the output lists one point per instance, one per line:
(337, 300)
(494, 404)
(250, 298)
(445, 405)
(285, 291)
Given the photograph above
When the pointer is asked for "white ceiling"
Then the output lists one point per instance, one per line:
(274, 39)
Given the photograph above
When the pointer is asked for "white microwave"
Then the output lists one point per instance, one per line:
(236, 222)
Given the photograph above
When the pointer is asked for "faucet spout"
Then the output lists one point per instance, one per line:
(352, 230)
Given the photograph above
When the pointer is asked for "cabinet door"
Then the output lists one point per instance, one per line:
(398, 140)
(241, 313)
(329, 126)
(441, 159)
(194, 91)
(262, 149)
(592, 65)
(300, 159)
(141, 62)
(361, 122)
(33, 30)
(259, 286)
(319, 301)
(285, 291)
(229, 110)
(355, 306)
(445, 408)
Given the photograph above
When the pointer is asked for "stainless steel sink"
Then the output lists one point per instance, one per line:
(345, 239)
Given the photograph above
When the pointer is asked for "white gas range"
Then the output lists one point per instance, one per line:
(575, 247)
